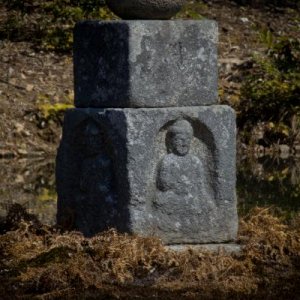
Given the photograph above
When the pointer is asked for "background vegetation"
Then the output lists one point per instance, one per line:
(49, 24)
(270, 90)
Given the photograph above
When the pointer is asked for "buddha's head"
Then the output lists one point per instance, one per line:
(180, 136)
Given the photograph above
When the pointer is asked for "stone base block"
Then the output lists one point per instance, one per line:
(145, 63)
(166, 172)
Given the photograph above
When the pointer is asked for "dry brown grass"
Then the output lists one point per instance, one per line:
(40, 262)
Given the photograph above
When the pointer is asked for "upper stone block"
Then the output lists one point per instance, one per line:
(145, 63)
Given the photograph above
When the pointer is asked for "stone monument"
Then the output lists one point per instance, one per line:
(148, 150)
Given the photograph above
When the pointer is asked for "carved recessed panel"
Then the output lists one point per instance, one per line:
(180, 171)
(89, 178)
(96, 171)
(184, 196)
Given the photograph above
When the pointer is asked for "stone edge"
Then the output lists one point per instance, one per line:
(231, 248)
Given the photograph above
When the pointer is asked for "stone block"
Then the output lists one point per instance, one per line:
(145, 63)
(167, 172)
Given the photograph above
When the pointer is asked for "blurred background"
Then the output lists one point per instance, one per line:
(259, 76)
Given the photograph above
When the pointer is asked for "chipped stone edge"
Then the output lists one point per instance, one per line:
(230, 248)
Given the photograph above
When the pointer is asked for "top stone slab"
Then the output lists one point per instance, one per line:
(145, 63)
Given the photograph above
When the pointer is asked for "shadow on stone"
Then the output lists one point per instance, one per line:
(101, 65)
(91, 175)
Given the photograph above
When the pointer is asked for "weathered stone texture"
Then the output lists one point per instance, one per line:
(216, 248)
(145, 63)
(168, 172)
(145, 9)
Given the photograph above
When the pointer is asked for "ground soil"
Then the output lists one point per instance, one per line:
(29, 77)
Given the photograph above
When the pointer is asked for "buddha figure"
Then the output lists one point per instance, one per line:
(180, 175)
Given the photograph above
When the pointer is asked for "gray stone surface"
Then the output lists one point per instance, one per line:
(145, 63)
(224, 248)
(145, 9)
(168, 172)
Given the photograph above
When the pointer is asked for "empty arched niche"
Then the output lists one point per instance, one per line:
(96, 197)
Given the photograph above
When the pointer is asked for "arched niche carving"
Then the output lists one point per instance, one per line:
(96, 197)
(183, 172)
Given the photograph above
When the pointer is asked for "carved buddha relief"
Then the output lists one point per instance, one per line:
(180, 178)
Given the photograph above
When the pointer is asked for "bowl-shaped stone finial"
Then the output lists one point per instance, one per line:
(145, 9)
